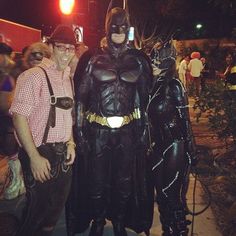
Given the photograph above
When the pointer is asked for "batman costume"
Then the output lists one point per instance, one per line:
(111, 99)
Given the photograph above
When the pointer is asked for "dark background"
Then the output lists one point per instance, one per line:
(168, 17)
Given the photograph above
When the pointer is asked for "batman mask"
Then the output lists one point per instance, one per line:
(117, 27)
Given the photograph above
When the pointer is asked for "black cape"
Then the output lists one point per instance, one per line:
(139, 215)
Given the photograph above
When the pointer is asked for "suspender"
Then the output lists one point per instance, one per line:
(52, 112)
(60, 102)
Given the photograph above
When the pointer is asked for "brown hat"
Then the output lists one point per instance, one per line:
(63, 34)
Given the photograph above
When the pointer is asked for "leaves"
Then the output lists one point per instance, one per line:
(220, 109)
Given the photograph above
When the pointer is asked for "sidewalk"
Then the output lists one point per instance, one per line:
(204, 224)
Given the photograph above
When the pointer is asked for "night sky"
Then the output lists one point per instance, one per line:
(34, 13)
(45, 15)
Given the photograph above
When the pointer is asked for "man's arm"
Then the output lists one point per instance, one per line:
(181, 102)
(70, 157)
(40, 166)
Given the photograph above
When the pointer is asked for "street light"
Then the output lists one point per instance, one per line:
(66, 6)
(198, 26)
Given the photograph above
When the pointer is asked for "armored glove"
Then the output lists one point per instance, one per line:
(82, 142)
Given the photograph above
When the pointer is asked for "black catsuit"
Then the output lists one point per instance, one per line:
(173, 145)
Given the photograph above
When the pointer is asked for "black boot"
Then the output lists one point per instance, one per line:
(97, 228)
(119, 229)
(176, 224)
(179, 224)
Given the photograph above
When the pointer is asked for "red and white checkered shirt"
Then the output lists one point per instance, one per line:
(32, 99)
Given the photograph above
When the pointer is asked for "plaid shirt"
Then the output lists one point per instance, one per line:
(32, 99)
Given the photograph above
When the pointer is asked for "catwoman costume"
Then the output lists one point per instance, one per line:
(172, 143)
(111, 100)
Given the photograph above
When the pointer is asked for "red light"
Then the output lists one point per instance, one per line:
(66, 6)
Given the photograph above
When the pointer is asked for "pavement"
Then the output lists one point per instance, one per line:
(204, 224)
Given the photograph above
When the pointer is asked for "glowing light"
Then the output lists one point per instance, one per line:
(131, 33)
(66, 6)
(199, 26)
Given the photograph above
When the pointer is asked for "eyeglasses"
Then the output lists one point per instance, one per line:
(63, 48)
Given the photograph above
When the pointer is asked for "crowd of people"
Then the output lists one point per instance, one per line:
(98, 133)
(193, 71)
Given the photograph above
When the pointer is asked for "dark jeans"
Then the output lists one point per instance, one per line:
(197, 85)
(45, 200)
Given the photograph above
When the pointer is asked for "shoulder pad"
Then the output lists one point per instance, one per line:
(176, 86)
(142, 58)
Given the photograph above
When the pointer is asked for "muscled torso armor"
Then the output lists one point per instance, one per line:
(111, 84)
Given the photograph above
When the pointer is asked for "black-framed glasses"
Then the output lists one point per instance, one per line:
(63, 48)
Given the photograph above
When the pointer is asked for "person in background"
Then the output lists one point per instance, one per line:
(195, 67)
(8, 144)
(204, 74)
(230, 76)
(183, 66)
(32, 55)
(229, 65)
(42, 115)
(11, 181)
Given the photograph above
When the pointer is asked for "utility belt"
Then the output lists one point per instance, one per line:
(113, 121)
(231, 87)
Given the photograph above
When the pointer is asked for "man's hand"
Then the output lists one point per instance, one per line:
(70, 157)
(40, 168)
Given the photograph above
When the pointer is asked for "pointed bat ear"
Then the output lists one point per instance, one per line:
(110, 6)
(125, 6)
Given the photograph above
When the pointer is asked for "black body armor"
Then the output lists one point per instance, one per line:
(111, 100)
(172, 144)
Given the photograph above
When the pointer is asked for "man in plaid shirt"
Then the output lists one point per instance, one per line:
(42, 116)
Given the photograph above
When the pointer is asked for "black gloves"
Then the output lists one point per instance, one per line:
(82, 142)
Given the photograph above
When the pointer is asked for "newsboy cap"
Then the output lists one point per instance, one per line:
(63, 34)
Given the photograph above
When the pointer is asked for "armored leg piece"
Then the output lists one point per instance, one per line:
(97, 228)
(119, 229)
(98, 223)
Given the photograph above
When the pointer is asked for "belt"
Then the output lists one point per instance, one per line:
(58, 147)
(232, 87)
(113, 121)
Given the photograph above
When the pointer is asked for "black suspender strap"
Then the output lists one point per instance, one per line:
(52, 113)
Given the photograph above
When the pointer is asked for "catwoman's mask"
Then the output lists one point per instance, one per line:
(117, 26)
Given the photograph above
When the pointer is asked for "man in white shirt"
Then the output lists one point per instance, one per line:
(195, 67)
(183, 66)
